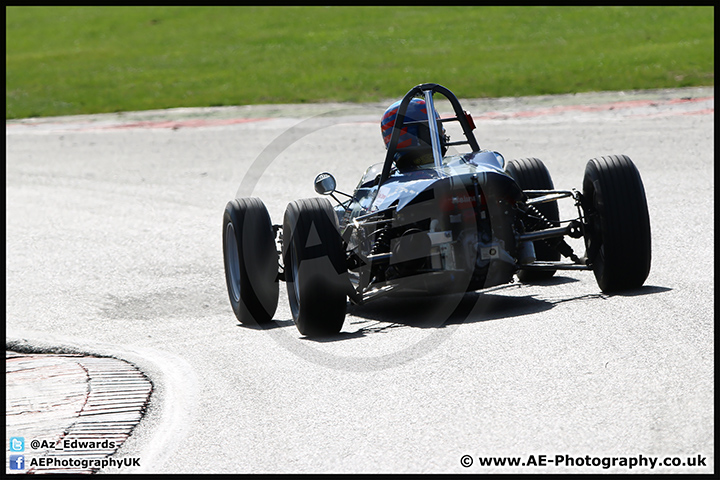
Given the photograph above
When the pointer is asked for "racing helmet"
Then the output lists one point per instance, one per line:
(414, 144)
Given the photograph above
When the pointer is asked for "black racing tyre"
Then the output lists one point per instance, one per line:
(251, 260)
(532, 174)
(315, 267)
(617, 237)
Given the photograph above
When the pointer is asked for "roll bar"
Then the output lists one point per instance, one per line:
(427, 90)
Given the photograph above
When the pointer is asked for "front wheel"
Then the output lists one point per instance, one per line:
(251, 260)
(315, 267)
(617, 222)
(532, 174)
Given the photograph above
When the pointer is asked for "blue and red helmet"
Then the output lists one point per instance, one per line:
(414, 139)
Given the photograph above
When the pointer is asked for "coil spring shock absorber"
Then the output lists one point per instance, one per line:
(381, 242)
(541, 222)
(559, 244)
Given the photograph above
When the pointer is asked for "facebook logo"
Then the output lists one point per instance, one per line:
(17, 462)
(17, 444)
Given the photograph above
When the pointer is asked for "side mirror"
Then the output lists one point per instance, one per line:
(325, 184)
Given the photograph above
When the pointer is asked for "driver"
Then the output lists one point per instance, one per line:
(414, 147)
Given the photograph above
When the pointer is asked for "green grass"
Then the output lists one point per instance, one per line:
(75, 60)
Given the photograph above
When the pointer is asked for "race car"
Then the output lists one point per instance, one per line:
(427, 222)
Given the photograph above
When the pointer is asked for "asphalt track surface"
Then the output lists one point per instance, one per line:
(114, 250)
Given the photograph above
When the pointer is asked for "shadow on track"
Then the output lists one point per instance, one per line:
(387, 313)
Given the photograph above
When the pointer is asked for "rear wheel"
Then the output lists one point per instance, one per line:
(315, 267)
(617, 235)
(251, 260)
(532, 174)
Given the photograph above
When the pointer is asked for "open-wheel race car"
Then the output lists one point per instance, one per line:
(424, 222)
